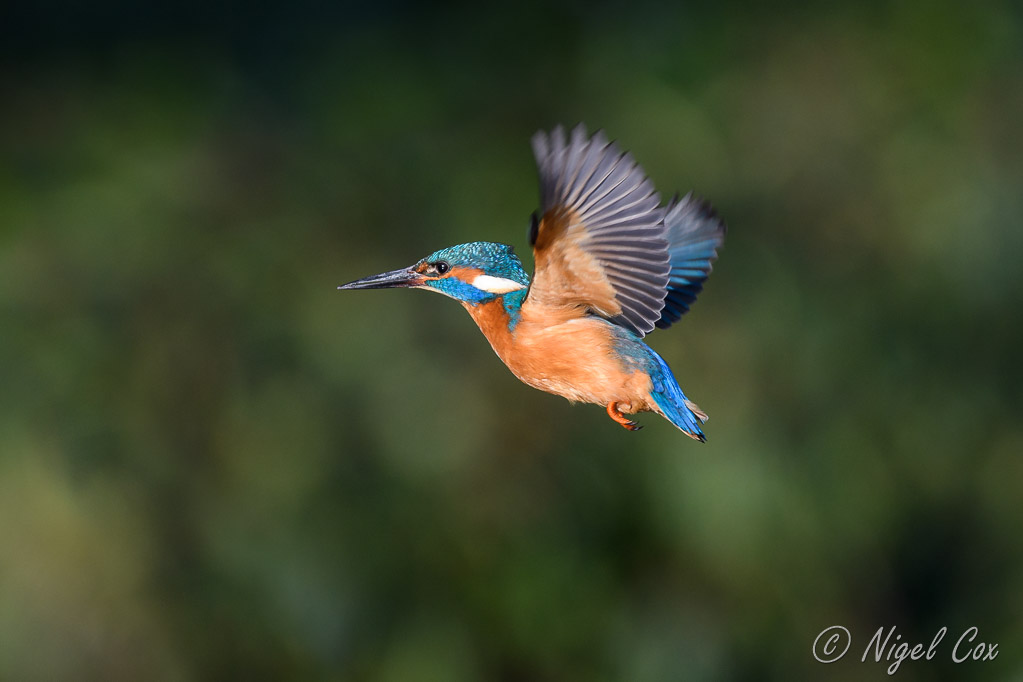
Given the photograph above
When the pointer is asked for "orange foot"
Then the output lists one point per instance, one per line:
(612, 411)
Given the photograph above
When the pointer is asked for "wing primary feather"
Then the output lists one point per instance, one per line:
(641, 300)
(634, 192)
(694, 232)
(641, 278)
(559, 146)
(595, 154)
(601, 173)
(611, 181)
(598, 204)
(576, 156)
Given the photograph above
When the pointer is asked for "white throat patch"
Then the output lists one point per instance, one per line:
(496, 285)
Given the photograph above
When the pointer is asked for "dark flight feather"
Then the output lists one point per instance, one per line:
(616, 219)
(695, 233)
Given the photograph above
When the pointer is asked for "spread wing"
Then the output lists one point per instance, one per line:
(601, 241)
(695, 232)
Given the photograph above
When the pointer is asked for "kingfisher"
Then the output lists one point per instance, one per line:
(611, 265)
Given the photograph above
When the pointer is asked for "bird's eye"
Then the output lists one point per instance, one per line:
(441, 267)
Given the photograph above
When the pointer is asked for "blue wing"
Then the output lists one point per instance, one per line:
(694, 232)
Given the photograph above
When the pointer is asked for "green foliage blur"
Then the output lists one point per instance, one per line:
(213, 465)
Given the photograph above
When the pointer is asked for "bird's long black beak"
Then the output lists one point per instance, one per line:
(386, 280)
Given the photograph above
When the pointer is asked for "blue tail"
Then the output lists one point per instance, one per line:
(673, 403)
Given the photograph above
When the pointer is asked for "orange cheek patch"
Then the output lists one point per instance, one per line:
(463, 273)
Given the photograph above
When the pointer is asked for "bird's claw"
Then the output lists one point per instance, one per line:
(612, 411)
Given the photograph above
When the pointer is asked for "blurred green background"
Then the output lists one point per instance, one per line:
(213, 465)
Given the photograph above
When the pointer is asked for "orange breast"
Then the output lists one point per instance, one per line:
(561, 351)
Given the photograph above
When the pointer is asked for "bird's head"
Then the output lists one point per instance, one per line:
(472, 273)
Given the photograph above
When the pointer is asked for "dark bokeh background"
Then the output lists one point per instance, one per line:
(214, 465)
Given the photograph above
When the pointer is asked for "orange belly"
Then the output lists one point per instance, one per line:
(561, 352)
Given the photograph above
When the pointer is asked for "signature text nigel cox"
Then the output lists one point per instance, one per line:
(887, 645)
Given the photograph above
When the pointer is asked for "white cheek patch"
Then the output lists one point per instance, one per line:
(496, 285)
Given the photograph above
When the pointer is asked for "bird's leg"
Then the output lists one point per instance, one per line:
(612, 411)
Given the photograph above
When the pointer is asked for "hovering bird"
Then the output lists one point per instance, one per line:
(611, 265)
